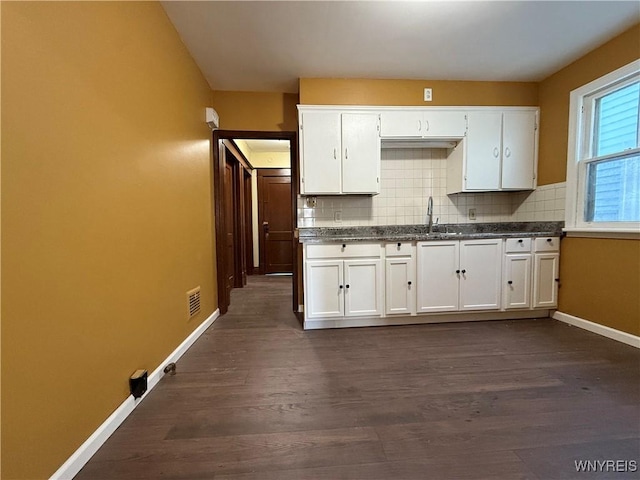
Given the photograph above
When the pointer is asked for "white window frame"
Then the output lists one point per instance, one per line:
(581, 119)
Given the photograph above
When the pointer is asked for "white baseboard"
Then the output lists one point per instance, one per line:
(83, 454)
(347, 322)
(608, 332)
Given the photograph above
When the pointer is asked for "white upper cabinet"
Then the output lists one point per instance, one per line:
(518, 150)
(339, 152)
(500, 152)
(321, 152)
(484, 145)
(361, 153)
(431, 123)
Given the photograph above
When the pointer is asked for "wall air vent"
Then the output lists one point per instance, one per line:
(193, 301)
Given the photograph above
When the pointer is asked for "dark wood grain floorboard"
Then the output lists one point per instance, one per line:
(256, 397)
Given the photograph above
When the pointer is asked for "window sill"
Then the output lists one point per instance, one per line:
(615, 233)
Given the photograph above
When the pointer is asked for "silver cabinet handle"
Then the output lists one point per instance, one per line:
(496, 152)
(507, 152)
(427, 124)
(334, 154)
(346, 153)
(419, 125)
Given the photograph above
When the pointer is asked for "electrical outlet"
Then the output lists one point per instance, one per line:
(427, 95)
(472, 214)
(337, 216)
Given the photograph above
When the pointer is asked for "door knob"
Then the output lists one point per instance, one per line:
(265, 226)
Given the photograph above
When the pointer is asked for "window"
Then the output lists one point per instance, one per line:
(603, 169)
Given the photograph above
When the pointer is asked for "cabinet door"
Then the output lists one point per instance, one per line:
(400, 286)
(363, 287)
(324, 296)
(480, 274)
(401, 124)
(483, 146)
(545, 283)
(518, 150)
(360, 153)
(517, 281)
(444, 124)
(437, 280)
(321, 153)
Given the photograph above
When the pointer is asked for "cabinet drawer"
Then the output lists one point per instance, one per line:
(547, 244)
(343, 250)
(518, 245)
(398, 249)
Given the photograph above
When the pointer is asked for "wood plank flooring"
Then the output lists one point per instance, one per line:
(257, 398)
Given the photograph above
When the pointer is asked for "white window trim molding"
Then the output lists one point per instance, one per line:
(574, 225)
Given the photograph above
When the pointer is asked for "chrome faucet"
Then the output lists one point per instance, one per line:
(430, 214)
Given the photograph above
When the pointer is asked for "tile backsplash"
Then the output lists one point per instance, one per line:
(409, 177)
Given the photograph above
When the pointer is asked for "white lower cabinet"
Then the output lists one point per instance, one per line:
(343, 287)
(438, 283)
(480, 274)
(354, 280)
(400, 279)
(459, 275)
(363, 288)
(517, 281)
(324, 297)
(545, 272)
(545, 280)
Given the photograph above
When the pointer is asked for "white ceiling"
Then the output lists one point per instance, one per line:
(267, 145)
(268, 46)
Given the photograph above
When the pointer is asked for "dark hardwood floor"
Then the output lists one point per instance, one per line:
(257, 398)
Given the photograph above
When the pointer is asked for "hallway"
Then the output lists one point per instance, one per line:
(257, 398)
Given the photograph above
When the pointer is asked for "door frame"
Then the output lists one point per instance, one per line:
(218, 195)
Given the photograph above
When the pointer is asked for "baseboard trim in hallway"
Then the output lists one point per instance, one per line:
(83, 454)
(603, 330)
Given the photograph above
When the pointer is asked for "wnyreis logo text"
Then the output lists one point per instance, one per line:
(618, 466)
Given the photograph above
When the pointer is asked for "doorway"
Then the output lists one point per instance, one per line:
(232, 191)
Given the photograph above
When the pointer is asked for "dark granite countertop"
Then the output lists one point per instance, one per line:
(408, 233)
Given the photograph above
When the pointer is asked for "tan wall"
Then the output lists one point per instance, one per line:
(600, 281)
(600, 278)
(554, 99)
(260, 111)
(334, 91)
(106, 221)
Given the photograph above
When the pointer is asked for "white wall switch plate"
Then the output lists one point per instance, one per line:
(472, 214)
(337, 216)
(427, 95)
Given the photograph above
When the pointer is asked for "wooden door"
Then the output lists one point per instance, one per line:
(248, 223)
(229, 208)
(274, 218)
